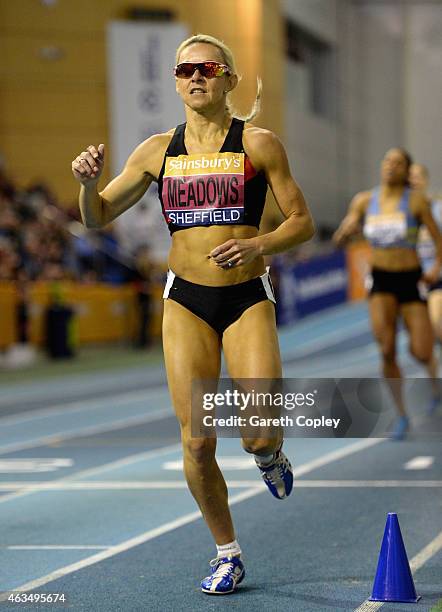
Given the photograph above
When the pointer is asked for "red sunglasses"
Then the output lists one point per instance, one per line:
(209, 70)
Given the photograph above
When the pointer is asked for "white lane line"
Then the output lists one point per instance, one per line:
(125, 461)
(358, 359)
(419, 463)
(426, 553)
(56, 547)
(327, 339)
(156, 415)
(335, 455)
(28, 464)
(48, 391)
(114, 485)
(225, 462)
(101, 469)
(124, 546)
(123, 485)
(184, 520)
(369, 606)
(75, 406)
(416, 563)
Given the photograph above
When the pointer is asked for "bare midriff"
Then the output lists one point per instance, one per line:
(189, 255)
(395, 259)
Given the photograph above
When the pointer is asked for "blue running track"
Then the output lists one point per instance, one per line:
(93, 503)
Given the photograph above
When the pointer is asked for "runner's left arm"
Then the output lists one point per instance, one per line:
(297, 226)
(267, 154)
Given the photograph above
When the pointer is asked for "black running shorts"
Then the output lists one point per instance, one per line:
(218, 306)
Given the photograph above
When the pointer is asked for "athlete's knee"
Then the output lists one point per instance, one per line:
(388, 352)
(260, 446)
(200, 450)
(421, 352)
(386, 341)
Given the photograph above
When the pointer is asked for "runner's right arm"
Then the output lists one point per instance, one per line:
(100, 208)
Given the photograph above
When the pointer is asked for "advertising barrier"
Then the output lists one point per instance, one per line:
(307, 287)
(100, 312)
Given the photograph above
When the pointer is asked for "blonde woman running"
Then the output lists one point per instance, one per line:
(212, 174)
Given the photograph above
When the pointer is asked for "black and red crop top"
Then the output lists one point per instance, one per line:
(210, 188)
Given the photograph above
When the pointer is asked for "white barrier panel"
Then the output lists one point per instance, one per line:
(142, 102)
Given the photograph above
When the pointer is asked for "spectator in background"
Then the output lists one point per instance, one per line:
(86, 256)
(9, 219)
(112, 269)
(32, 250)
(36, 243)
(9, 260)
(22, 312)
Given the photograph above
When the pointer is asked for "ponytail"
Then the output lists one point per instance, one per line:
(256, 108)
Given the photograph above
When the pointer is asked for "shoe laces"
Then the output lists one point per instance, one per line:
(277, 472)
(220, 567)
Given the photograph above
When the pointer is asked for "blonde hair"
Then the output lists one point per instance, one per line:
(229, 61)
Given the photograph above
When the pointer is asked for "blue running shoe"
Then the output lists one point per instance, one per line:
(400, 429)
(278, 476)
(227, 573)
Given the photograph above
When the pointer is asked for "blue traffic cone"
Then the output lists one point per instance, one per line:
(393, 581)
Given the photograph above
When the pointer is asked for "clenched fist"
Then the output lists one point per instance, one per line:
(87, 167)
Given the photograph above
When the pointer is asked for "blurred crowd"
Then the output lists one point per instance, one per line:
(40, 240)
